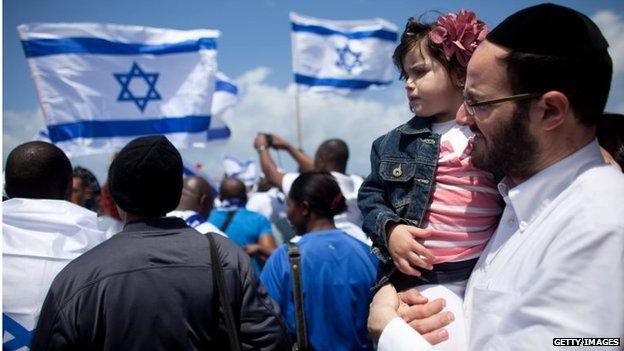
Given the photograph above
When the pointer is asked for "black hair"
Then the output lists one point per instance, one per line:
(335, 152)
(88, 180)
(320, 191)
(38, 170)
(232, 188)
(585, 79)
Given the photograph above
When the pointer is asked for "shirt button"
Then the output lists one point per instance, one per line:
(523, 225)
(511, 222)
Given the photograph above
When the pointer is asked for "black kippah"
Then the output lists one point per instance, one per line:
(146, 177)
(549, 29)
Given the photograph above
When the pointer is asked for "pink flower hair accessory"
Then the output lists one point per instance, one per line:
(459, 34)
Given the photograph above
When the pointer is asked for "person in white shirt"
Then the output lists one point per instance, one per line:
(331, 156)
(41, 233)
(554, 268)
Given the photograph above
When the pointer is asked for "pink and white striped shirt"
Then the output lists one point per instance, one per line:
(464, 205)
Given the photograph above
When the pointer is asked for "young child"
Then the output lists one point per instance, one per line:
(424, 205)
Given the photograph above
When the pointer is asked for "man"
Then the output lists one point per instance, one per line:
(195, 205)
(250, 230)
(150, 287)
(42, 232)
(534, 92)
(331, 156)
(85, 188)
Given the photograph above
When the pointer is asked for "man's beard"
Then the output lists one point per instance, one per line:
(511, 150)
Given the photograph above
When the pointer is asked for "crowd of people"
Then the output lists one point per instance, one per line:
(491, 220)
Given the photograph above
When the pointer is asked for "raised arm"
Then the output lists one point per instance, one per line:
(271, 173)
(305, 161)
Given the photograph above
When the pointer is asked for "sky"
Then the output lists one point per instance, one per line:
(254, 50)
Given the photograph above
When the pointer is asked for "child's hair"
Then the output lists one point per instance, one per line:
(441, 48)
(320, 191)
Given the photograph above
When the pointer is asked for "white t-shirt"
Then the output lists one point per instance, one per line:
(351, 220)
(271, 204)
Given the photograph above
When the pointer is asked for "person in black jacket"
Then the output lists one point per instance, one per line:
(150, 287)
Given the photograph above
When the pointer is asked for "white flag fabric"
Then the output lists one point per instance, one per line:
(102, 85)
(191, 170)
(245, 171)
(224, 97)
(39, 237)
(342, 56)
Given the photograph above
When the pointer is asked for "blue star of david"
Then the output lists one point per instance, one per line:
(136, 72)
(348, 59)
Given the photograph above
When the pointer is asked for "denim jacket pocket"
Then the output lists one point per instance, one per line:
(399, 175)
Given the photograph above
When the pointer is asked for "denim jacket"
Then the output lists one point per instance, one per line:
(403, 164)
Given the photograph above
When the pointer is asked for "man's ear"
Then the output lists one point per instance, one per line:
(555, 108)
(305, 209)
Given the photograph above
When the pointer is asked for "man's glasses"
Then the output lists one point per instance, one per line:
(470, 106)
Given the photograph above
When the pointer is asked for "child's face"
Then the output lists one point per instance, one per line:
(429, 87)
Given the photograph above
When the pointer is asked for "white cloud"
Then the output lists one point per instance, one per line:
(20, 127)
(612, 26)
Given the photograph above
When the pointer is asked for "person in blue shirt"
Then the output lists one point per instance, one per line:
(249, 230)
(337, 270)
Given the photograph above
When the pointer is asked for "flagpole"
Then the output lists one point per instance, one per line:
(293, 47)
(298, 117)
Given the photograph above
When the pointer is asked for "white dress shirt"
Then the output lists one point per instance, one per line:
(553, 269)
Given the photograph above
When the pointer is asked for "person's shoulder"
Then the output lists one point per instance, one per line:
(599, 191)
(412, 127)
(253, 215)
(46, 206)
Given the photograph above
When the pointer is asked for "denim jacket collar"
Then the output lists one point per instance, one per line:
(416, 125)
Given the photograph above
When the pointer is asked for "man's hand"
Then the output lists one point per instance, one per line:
(279, 143)
(253, 249)
(260, 141)
(383, 309)
(425, 317)
(406, 251)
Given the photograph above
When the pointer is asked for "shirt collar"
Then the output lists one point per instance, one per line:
(530, 197)
(231, 205)
(416, 125)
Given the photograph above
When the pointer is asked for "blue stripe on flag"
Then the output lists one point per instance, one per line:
(226, 86)
(320, 30)
(337, 83)
(44, 47)
(125, 128)
(21, 336)
(220, 133)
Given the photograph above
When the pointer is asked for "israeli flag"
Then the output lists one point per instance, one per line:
(225, 96)
(245, 171)
(342, 56)
(102, 85)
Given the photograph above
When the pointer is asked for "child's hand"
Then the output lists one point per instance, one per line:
(405, 249)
